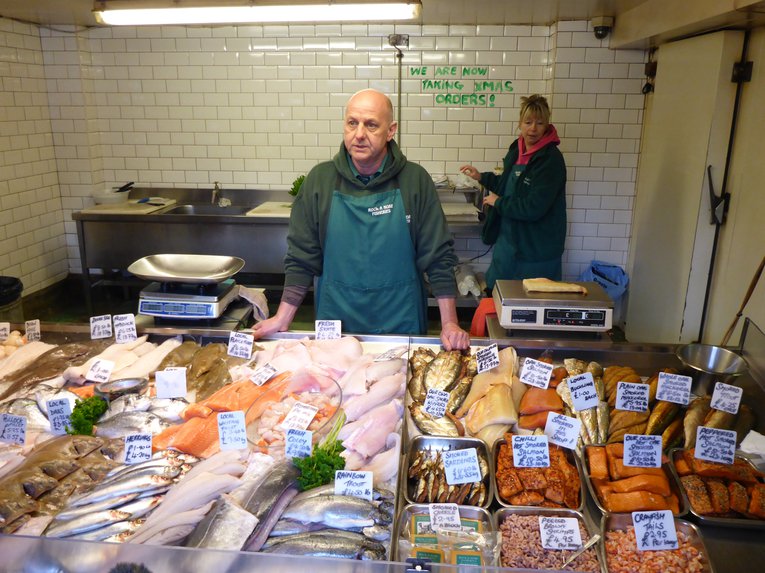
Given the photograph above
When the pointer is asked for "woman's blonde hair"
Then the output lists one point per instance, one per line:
(535, 105)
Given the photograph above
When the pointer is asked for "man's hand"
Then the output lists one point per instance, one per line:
(278, 323)
(453, 337)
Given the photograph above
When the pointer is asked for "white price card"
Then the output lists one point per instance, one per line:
(715, 445)
(674, 388)
(124, 328)
(531, 452)
(137, 448)
(583, 392)
(298, 443)
(299, 417)
(444, 517)
(536, 373)
(562, 430)
(13, 429)
(642, 451)
(435, 402)
(240, 345)
(560, 532)
(32, 330)
(5, 330)
(100, 371)
(654, 530)
(232, 433)
(101, 326)
(328, 329)
(59, 411)
(171, 382)
(263, 374)
(487, 358)
(354, 484)
(726, 398)
(461, 466)
(632, 397)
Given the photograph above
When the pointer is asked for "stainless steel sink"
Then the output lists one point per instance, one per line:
(202, 209)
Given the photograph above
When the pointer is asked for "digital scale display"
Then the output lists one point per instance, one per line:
(177, 309)
(574, 317)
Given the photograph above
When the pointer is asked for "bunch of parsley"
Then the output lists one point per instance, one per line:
(319, 468)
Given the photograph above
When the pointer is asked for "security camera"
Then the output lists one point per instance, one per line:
(602, 26)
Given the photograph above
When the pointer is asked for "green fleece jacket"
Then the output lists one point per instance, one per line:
(433, 244)
(533, 212)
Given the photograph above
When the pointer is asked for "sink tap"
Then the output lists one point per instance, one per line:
(215, 193)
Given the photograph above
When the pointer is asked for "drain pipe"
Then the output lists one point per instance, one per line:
(397, 40)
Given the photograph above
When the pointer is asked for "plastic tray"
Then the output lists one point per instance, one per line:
(570, 456)
(200, 269)
(739, 522)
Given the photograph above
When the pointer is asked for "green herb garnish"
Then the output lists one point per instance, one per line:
(84, 415)
(319, 468)
(296, 185)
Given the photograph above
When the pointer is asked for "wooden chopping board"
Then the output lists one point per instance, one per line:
(127, 208)
(271, 209)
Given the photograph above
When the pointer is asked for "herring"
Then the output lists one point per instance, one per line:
(140, 484)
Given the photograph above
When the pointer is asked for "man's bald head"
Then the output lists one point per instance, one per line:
(372, 98)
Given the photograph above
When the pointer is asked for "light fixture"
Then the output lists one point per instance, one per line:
(157, 12)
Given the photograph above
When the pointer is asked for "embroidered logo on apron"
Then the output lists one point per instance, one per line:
(380, 210)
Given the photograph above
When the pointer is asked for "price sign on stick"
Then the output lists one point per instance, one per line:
(642, 451)
(328, 329)
(487, 358)
(531, 452)
(59, 411)
(435, 402)
(32, 330)
(562, 430)
(101, 326)
(231, 430)
(536, 373)
(726, 398)
(298, 443)
(124, 328)
(263, 374)
(170, 382)
(354, 484)
(461, 466)
(674, 388)
(445, 516)
(560, 532)
(137, 448)
(632, 397)
(654, 530)
(583, 392)
(715, 445)
(100, 371)
(240, 345)
(13, 429)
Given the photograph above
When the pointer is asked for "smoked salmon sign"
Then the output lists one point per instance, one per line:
(467, 86)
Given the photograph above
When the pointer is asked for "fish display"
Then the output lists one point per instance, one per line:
(427, 477)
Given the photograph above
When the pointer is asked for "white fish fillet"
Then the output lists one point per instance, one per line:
(171, 529)
(147, 363)
(369, 433)
(117, 353)
(289, 356)
(385, 464)
(354, 381)
(353, 460)
(483, 382)
(258, 468)
(24, 356)
(378, 370)
(223, 459)
(384, 390)
(192, 493)
(337, 354)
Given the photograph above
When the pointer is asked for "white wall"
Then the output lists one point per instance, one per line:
(254, 106)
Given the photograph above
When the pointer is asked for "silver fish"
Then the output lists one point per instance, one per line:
(46, 393)
(158, 462)
(73, 512)
(169, 409)
(318, 544)
(169, 472)
(226, 526)
(28, 408)
(111, 531)
(124, 423)
(85, 523)
(126, 403)
(141, 506)
(337, 511)
(329, 489)
(141, 484)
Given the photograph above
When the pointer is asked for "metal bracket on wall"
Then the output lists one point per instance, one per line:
(742, 72)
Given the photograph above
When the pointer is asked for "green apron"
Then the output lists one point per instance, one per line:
(370, 280)
(505, 264)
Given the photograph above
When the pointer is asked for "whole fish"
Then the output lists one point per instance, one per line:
(124, 423)
(28, 408)
(85, 523)
(226, 526)
(111, 531)
(565, 394)
(337, 511)
(603, 417)
(458, 394)
(719, 420)
(169, 409)
(417, 363)
(673, 434)
(589, 418)
(73, 512)
(122, 470)
(181, 356)
(140, 484)
(166, 471)
(575, 366)
(268, 500)
(126, 403)
(661, 417)
(444, 426)
(330, 544)
(442, 373)
(694, 416)
(329, 489)
(595, 369)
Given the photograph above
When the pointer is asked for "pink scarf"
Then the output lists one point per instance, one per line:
(524, 155)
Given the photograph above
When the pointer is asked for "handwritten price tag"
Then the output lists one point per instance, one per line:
(391, 354)
(654, 530)
(59, 411)
(137, 448)
(298, 443)
(5, 330)
(531, 452)
(560, 532)
(101, 326)
(632, 397)
(300, 416)
(170, 382)
(100, 371)
(642, 451)
(445, 516)
(354, 484)
(13, 429)
(32, 330)
(124, 328)
(328, 329)
(536, 373)
(487, 358)
(562, 430)
(726, 398)
(715, 445)
(263, 375)
(231, 430)
(461, 466)
(674, 388)
(583, 392)
(435, 402)
(240, 345)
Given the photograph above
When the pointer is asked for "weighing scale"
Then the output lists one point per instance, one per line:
(573, 312)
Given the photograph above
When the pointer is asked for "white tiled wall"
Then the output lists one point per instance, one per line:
(255, 106)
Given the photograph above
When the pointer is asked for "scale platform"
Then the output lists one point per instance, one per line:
(518, 309)
(186, 300)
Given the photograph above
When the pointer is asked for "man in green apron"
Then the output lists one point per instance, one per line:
(369, 226)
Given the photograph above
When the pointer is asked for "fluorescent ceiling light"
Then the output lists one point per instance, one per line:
(137, 13)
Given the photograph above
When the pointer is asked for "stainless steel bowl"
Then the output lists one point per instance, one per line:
(708, 364)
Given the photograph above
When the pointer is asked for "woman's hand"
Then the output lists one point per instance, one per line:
(490, 199)
(471, 172)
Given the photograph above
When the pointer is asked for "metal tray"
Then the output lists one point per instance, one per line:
(619, 521)
(466, 511)
(176, 268)
(570, 456)
(501, 514)
(674, 485)
(737, 522)
(440, 443)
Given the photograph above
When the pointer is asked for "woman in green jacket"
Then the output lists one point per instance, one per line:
(526, 220)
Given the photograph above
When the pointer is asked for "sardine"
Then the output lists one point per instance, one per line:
(442, 373)
(661, 417)
(603, 418)
(318, 545)
(745, 421)
(445, 426)
(226, 526)
(694, 416)
(337, 511)
(124, 423)
(141, 484)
